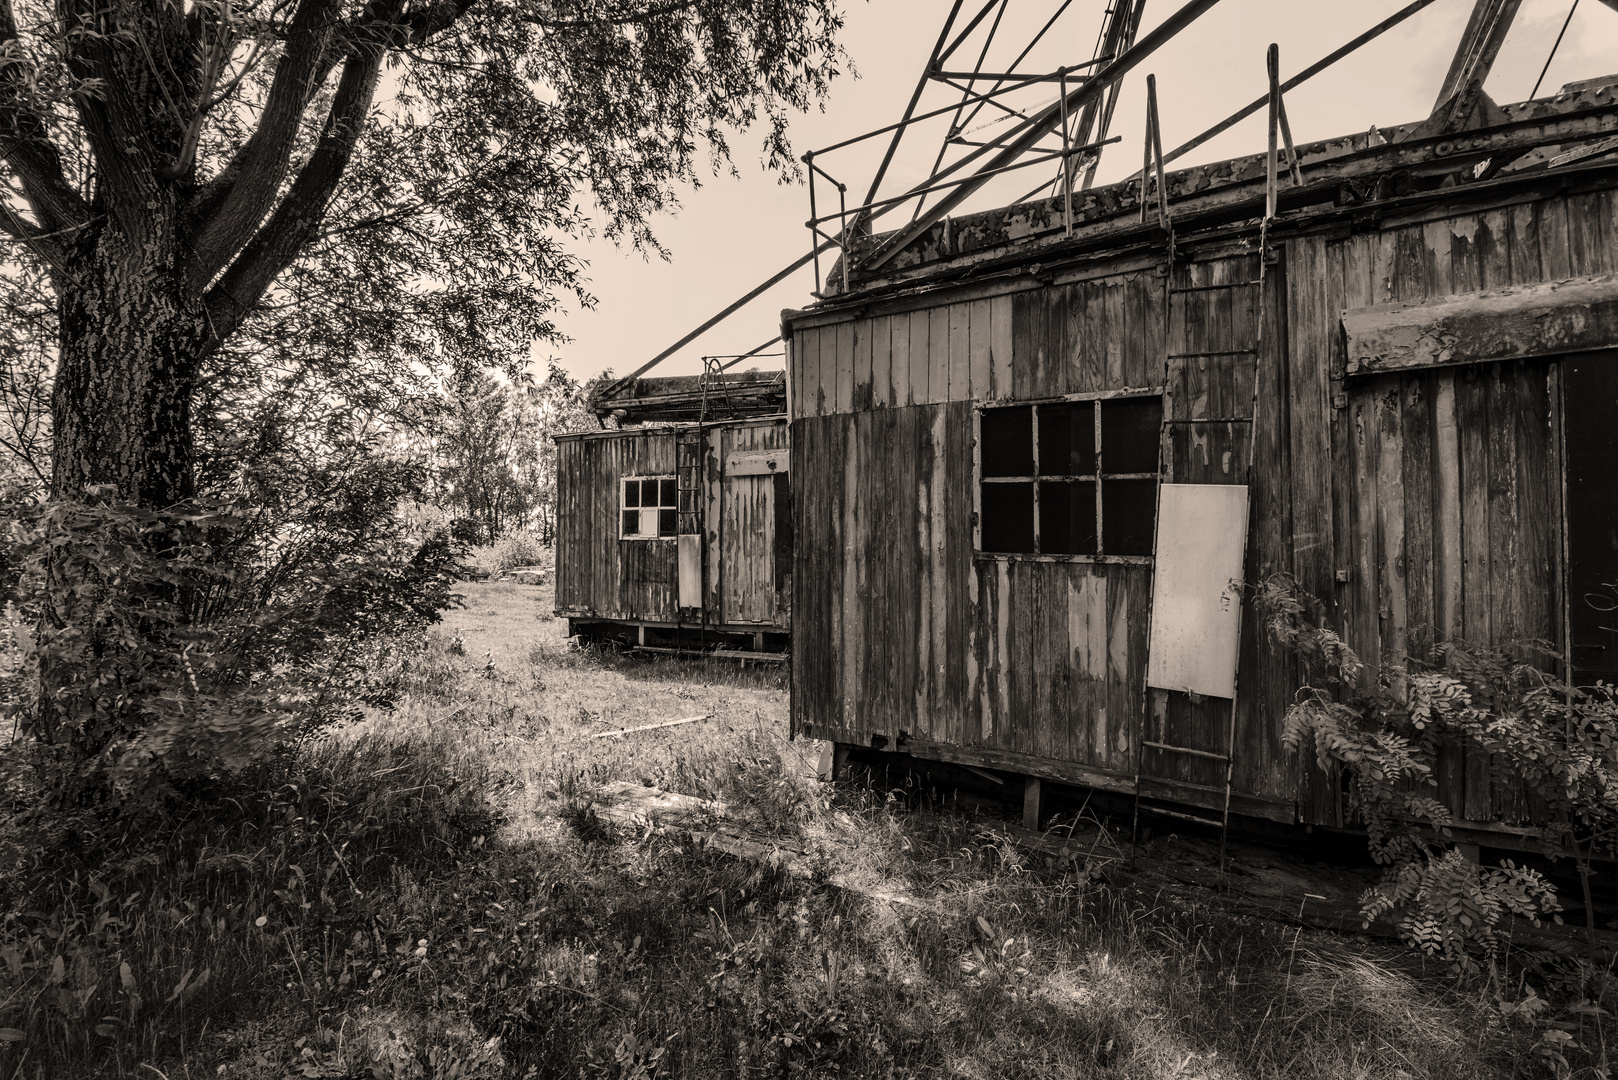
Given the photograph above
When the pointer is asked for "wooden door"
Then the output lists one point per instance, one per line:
(747, 582)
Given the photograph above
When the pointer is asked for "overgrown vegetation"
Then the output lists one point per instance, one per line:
(169, 650)
(1540, 735)
(429, 892)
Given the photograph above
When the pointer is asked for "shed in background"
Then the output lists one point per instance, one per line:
(675, 533)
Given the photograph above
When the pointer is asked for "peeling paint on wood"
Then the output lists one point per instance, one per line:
(1517, 322)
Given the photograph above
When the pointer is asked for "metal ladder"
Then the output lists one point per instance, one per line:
(1174, 363)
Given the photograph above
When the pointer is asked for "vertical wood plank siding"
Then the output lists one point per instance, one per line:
(597, 573)
(600, 576)
(1416, 506)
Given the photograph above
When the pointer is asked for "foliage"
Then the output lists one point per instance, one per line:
(191, 643)
(510, 551)
(1538, 734)
(27, 347)
(493, 458)
(346, 200)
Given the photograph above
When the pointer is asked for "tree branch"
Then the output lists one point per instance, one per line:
(27, 147)
(652, 12)
(423, 23)
(298, 219)
(235, 202)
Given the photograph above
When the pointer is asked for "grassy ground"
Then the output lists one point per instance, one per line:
(438, 896)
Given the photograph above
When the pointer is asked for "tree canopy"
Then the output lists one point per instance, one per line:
(246, 213)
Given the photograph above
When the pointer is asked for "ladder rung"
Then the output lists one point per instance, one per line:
(1185, 750)
(1212, 789)
(1215, 822)
(1223, 352)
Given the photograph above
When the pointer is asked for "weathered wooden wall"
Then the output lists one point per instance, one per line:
(1430, 502)
(745, 585)
(599, 576)
(1414, 504)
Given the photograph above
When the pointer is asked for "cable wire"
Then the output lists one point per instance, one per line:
(1535, 92)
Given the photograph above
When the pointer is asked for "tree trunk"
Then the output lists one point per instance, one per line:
(132, 336)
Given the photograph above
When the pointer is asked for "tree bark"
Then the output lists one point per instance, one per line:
(132, 338)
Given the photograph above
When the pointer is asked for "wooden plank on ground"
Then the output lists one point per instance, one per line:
(617, 732)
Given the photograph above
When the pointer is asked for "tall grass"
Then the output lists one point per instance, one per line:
(431, 894)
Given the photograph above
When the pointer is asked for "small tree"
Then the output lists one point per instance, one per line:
(1537, 732)
(494, 458)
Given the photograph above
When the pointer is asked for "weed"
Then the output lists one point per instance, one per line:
(432, 893)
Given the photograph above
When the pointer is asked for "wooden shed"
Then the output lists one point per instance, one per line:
(1021, 454)
(677, 536)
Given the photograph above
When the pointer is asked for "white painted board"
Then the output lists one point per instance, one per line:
(690, 570)
(756, 462)
(1196, 610)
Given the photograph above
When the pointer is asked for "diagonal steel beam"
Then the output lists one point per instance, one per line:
(1480, 44)
(1031, 131)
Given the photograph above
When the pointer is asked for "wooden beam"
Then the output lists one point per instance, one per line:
(1518, 322)
(1030, 803)
(649, 727)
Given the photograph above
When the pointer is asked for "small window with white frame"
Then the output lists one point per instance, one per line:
(649, 508)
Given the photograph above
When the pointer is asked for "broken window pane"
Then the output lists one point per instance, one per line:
(1007, 447)
(1008, 517)
(1128, 510)
(1067, 517)
(1129, 435)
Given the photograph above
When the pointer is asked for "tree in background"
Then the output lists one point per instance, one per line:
(494, 461)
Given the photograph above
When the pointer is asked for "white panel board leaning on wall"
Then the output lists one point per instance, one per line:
(1196, 599)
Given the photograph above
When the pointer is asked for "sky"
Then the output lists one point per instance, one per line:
(736, 231)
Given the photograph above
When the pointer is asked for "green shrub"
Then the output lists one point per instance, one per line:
(1536, 732)
(510, 551)
(173, 648)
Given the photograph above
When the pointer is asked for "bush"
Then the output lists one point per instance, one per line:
(509, 552)
(1539, 734)
(177, 647)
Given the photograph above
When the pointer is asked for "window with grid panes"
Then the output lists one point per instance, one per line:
(649, 508)
(1070, 477)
